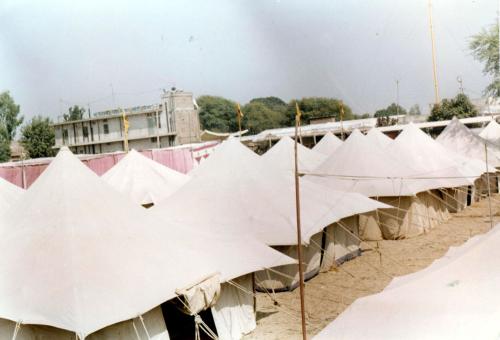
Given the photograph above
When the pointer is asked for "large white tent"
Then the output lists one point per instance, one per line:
(457, 137)
(9, 193)
(236, 192)
(456, 297)
(433, 161)
(491, 132)
(281, 155)
(361, 166)
(380, 139)
(79, 256)
(144, 180)
(328, 144)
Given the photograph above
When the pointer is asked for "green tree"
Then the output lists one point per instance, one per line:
(317, 107)
(273, 103)
(74, 113)
(4, 145)
(9, 115)
(415, 110)
(484, 47)
(459, 107)
(391, 110)
(38, 138)
(259, 116)
(217, 114)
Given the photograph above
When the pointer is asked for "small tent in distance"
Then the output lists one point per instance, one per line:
(328, 144)
(491, 132)
(145, 181)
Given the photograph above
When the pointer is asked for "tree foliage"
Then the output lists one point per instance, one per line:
(484, 47)
(9, 115)
(4, 145)
(217, 114)
(317, 107)
(391, 110)
(258, 116)
(38, 137)
(459, 107)
(415, 110)
(74, 113)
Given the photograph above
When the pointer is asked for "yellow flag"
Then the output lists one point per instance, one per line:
(125, 122)
(297, 111)
(238, 111)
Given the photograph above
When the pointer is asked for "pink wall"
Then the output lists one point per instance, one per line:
(179, 159)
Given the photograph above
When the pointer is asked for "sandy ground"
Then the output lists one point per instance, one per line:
(328, 294)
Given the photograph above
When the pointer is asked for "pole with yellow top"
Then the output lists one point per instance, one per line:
(125, 130)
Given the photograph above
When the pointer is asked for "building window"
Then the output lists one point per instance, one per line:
(65, 136)
(106, 127)
(85, 131)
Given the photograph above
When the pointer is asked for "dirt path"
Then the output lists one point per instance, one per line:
(328, 294)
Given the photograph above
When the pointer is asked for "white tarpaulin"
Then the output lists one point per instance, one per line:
(456, 297)
(328, 144)
(378, 138)
(9, 193)
(281, 156)
(144, 180)
(77, 255)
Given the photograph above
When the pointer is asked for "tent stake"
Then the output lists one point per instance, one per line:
(299, 236)
(488, 180)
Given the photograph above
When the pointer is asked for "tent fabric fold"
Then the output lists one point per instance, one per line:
(328, 144)
(456, 297)
(79, 256)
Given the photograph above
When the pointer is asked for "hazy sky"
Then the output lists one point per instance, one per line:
(57, 53)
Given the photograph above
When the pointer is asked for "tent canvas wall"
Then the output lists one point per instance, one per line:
(360, 166)
(64, 253)
(9, 193)
(126, 330)
(235, 192)
(456, 297)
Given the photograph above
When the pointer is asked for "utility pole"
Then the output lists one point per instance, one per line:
(460, 84)
(434, 68)
(397, 97)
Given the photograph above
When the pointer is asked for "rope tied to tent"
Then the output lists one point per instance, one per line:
(16, 330)
(144, 326)
(199, 324)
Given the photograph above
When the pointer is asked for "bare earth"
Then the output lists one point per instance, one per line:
(329, 294)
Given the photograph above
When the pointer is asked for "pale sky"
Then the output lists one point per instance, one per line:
(58, 53)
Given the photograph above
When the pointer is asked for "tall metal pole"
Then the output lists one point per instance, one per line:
(434, 68)
(342, 120)
(299, 233)
(488, 180)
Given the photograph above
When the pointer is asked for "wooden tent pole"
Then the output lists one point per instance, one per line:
(299, 233)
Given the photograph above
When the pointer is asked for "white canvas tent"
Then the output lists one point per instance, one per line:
(432, 161)
(79, 256)
(328, 144)
(235, 192)
(281, 156)
(491, 132)
(144, 180)
(361, 166)
(456, 297)
(457, 137)
(378, 138)
(9, 193)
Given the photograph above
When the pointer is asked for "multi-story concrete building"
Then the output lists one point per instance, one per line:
(174, 121)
